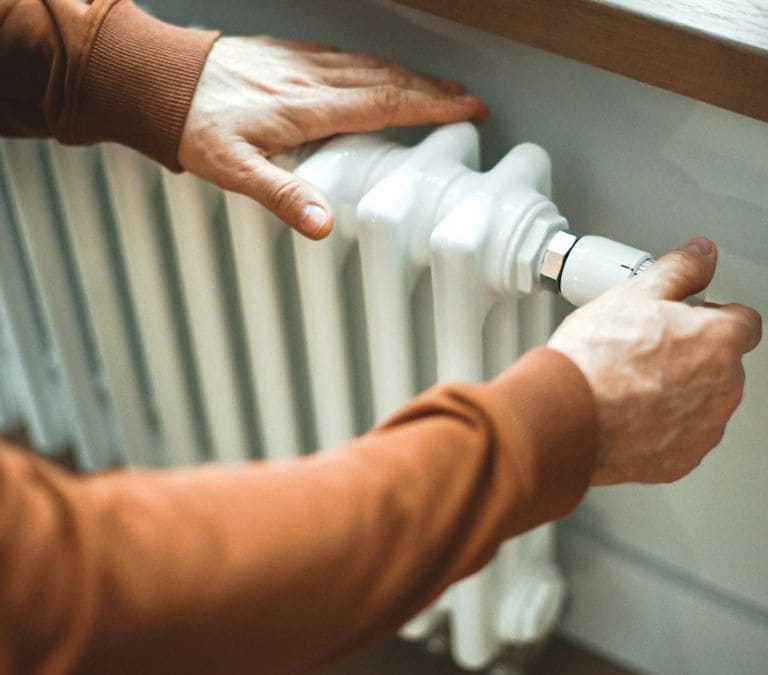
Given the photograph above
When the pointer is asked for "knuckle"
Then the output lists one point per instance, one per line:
(713, 439)
(721, 360)
(720, 342)
(730, 338)
(305, 80)
(687, 275)
(731, 334)
(682, 465)
(283, 195)
(242, 175)
(732, 399)
(682, 264)
(682, 268)
(387, 98)
(370, 60)
(672, 475)
(398, 76)
(673, 469)
(242, 178)
(678, 257)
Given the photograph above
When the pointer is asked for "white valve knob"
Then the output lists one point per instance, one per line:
(595, 264)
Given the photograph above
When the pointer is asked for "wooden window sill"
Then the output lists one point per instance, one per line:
(711, 50)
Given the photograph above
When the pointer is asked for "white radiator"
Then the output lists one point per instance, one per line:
(148, 318)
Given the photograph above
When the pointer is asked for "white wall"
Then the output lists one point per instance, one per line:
(671, 579)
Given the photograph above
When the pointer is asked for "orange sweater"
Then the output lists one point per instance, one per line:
(272, 568)
(261, 568)
(104, 71)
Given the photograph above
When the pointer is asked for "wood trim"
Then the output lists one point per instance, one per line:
(713, 60)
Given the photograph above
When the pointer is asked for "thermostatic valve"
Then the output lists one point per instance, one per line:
(596, 264)
(582, 268)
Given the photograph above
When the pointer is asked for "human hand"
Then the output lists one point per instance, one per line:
(260, 96)
(665, 376)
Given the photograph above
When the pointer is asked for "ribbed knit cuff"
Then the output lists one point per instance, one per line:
(139, 82)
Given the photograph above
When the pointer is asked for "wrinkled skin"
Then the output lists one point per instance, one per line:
(666, 377)
(259, 96)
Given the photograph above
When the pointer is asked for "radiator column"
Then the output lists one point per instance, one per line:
(480, 252)
(199, 335)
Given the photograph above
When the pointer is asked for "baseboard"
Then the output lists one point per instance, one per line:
(640, 613)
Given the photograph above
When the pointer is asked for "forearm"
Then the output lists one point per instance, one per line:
(97, 72)
(275, 568)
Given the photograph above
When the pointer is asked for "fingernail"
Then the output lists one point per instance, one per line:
(313, 220)
(700, 245)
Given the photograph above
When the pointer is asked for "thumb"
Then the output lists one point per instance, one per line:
(680, 273)
(292, 199)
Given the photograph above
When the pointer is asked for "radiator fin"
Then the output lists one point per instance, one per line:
(149, 318)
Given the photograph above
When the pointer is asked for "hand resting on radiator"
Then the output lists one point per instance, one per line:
(666, 377)
(260, 96)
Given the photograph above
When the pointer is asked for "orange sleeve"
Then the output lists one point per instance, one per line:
(102, 71)
(276, 568)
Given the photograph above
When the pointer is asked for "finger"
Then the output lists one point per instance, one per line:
(680, 273)
(374, 108)
(339, 59)
(293, 200)
(369, 70)
(343, 60)
(319, 47)
(452, 87)
(372, 77)
(747, 323)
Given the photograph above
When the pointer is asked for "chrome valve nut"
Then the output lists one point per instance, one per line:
(553, 260)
